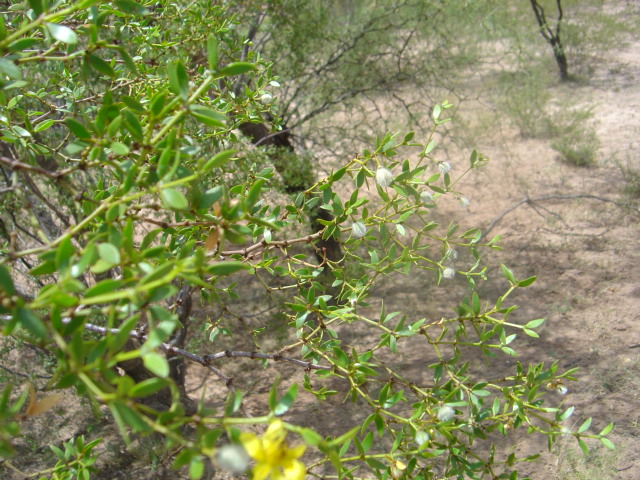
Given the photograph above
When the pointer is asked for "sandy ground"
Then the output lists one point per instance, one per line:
(584, 252)
(579, 235)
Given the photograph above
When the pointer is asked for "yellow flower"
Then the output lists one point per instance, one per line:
(272, 455)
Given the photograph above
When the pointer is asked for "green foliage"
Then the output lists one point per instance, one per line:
(578, 147)
(525, 99)
(631, 177)
(127, 191)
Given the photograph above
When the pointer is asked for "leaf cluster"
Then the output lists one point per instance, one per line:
(128, 191)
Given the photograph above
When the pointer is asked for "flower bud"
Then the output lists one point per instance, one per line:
(446, 413)
(448, 273)
(266, 98)
(464, 201)
(384, 177)
(232, 458)
(426, 198)
(444, 167)
(358, 230)
(422, 437)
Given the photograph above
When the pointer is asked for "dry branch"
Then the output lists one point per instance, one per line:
(531, 201)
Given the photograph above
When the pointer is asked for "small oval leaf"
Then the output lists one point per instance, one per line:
(62, 34)
(174, 199)
(236, 68)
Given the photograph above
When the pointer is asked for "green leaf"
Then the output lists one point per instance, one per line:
(534, 323)
(508, 274)
(254, 192)
(227, 268)
(42, 126)
(174, 199)
(436, 112)
(45, 268)
(58, 453)
(23, 43)
(567, 413)
(178, 79)
(606, 430)
(85, 4)
(10, 69)
(165, 268)
(104, 286)
(338, 175)
(133, 104)
(63, 254)
(114, 127)
(132, 124)
(157, 103)
(236, 68)
(119, 148)
(148, 387)
(182, 459)
(99, 65)
(607, 443)
(234, 401)
(128, 417)
(342, 359)
(77, 128)
(196, 468)
(20, 131)
(62, 34)
(31, 323)
(212, 52)
(207, 116)
(310, 437)
(218, 160)
(367, 441)
(109, 253)
(156, 364)
(6, 282)
(164, 161)
(128, 61)
(583, 447)
(36, 6)
(473, 158)
(475, 303)
(526, 282)
(129, 6)
(287, 400)
(211, 196)
(585, 425)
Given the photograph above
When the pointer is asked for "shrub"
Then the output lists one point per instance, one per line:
(578, 147)
(128, 196)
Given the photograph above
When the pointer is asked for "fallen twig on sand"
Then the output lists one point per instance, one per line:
(531, 201)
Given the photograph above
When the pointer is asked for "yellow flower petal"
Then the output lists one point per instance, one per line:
(275, 432)
(399, 465)
(273, 458)
(261, 471)
(251, 444)
(295, 471)
(296, 452)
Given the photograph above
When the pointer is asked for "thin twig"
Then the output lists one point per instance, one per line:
(24, 375)
(531, 201)
(205, 360)
(273, 244)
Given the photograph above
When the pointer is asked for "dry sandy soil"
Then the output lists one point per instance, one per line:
(584, 252)
(578, 234)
